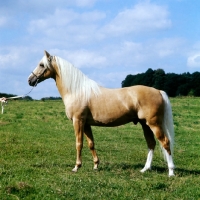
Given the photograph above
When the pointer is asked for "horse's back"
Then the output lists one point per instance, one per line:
(133, 96)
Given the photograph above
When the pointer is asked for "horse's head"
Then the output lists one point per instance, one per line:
(43, 71)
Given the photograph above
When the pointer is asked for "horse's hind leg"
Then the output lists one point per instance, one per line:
(165, 143)
(151, 143)
(90, 140)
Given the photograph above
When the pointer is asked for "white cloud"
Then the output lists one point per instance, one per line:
(194, 60)
(137, 55)
(74, 28)
(7, 60)
(166, 47)
(62, 18)
(142, 17)
(85, 58)
(124, 54)
(81, 58)
(19, 61)
(55, 20)
(85, 28)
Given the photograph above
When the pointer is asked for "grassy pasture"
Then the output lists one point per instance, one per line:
(37, 154)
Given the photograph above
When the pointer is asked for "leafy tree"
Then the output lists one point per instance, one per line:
(174, 84)
(183, 90)
(28, 98)
(196, 91)
(171, 84)
(184, 81)
(158, 79)
(127, 81)
(148, 77)
(195, 83)
(7, 95)
(138, 79)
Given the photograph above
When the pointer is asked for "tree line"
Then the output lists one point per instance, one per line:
(185, 84)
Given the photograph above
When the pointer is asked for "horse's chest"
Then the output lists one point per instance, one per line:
(68, 114)
(74, 110)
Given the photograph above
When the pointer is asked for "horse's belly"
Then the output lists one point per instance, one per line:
(109, 124)
(107, 119)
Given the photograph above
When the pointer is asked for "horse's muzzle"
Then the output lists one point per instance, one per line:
(32, 81)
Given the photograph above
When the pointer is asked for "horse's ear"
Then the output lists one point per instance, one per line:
(46, 54)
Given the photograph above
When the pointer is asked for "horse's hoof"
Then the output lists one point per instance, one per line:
(171, 172)
(145, 169)
(95, 167)
(171, 175)
(75, 169)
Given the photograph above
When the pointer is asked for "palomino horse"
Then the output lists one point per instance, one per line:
(87, 104)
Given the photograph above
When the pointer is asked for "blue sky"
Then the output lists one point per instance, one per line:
(105, 39)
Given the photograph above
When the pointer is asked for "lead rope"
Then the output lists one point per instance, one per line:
(4, 102)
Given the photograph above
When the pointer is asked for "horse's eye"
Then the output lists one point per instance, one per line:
(41, 65)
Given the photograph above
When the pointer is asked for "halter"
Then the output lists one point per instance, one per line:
(38, 77)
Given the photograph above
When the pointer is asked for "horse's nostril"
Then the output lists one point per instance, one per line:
(30, 82)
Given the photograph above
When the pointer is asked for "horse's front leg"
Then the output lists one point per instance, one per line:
(78, 128)
(90, 140)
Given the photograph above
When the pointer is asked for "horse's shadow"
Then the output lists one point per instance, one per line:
(124, 166)
(178, 171)
(186, 172)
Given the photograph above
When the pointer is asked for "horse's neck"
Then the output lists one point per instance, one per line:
(62, 90)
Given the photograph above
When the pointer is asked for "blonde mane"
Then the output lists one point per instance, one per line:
(75, 81)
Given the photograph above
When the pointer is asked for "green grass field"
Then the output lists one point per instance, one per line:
(37, 154)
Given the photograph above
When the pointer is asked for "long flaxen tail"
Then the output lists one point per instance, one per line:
(168, 124)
